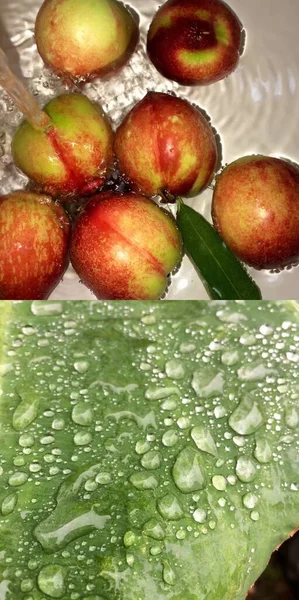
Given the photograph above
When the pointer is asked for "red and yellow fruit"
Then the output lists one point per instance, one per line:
(256, 211)
(124, 246)
(166, 145)
(194, 41)
(81, 39)
(71, 157)
(34, 233)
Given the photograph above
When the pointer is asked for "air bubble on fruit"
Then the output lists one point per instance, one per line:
(8, 504)
(170, 438)
(170, 508)
(168, 573)
(81, 366)
(143, 481)
(250, 500)
(188, 471)
(291, 416)
(208, 383)
(26, 412)
(200, 515)
(51, 580)
(230, 357)
(262, 451)
(82, 438)
(204, 440)
(159, 393)
(18, 478)
(245, 469)
(151, 460)
(175, 369)
(253, 372)
(154, 529)
(247, 418)
(82, 414)
(219, 482)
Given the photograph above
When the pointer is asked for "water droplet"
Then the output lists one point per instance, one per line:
(170, 438)
(220, 412)
(148, 319)
(18, 478)
(222, 502)
(142, 447)
(46, 309)
(245, 469)
(183, 422)
(130, 559)
(200, 515)
(159, 393)
(250, 500)
(151, 460)
(81, 366)
(82, 414)
(204, 440)
(266, 330)
(170, 508)
(168, 573)
(58, 424)
(26, 412)
(181, 534)
(263, 452)
(51, 580)
(255, 515)
(9, 503)
(188, 471)
(219, 482)
(82, 438)
(253, 372)
(187, 347)
(129, 539)
(143, 481)
(232, 480)
(212, 524)
(5, 368)
(207, 383)
(248, 339)
(34, 467)
(228, 317)
(247, 418)
(230, 358)
(103, 478)
(26, 440)
(156, 550)
(46, 440)
(175, 369)
(90, 485)
(154, 529)
(170, 403)
(291, 417)
(26, 585)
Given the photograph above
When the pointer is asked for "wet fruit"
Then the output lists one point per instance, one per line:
(123, 247)
(256, 210)
(72, 156)
(194, 41)
(81, 39)
(34, 233)
(165, 144)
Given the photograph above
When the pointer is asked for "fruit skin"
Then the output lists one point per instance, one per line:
(74, 155)
(34, 233)
(195, 42)
(165, 144)
(124, 246)
(83, 39)
(256, 210)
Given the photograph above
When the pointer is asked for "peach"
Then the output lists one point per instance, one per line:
(256, 210)
(74, 155)
(195, 41)
(124, 246)
(166, 145)
(34, 233)
(82, 39)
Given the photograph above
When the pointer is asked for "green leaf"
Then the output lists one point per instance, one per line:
(223, 275)
(181, 476)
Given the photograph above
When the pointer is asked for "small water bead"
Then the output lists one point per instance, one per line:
(103, 478)
(49, 458)
(19, 461)
(219, 482)
(130, 559)
(9, 503)
(28, 330)
(239, 441)
(253, 372)
(245, 469)
(291, 417)
(32, 564)
(26, 585)
(82, 414)
(183, 422)
(129, 539)
(142, 446)
(90, 485)
(262, 451)
(247, 418)
(248, 339)
(18, 478)
(181, 534)
(232, 480)
(159, 393)
(250, 500)
(286, 439)
(46, 440)
(156, 550)
(51, 580)
(154, 529)
(222, 502)
(188, 471)
(58, 424)
(143, 481)
(149, 319)
(175, 369)
(46, 309)
(187, 347)
(151, 460)
(170, 438)
(170, 508)
(26, 412)
(255, 515)
(230, 358)
(220, 412)
(53, 470)
(168, 573)
(81, 366)
(34, 467)
(207, 383)
(26, 440)
(200, 515)
(228, 317)
(204, 440)
(170, 404)
(82, 438)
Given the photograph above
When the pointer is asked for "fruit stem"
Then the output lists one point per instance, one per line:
(21, 97)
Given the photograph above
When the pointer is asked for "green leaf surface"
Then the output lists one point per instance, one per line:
(223, 275)
(148, 450)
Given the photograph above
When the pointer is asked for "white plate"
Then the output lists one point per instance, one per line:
(255, 110)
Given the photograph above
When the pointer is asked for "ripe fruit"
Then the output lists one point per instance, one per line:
(165, 144)
(256, 210)
(82, 39)
(194, 41)
(123, 247)
(74, 155)
(34, 233)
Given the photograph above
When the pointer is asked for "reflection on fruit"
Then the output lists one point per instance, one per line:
(165, 144)
(85, 38)
(123, 247)
(256, 210)
(73, 156)
(34, 233)
(194, 41)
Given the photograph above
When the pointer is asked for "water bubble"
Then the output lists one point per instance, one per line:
(247, 418)
(188, 471)
(82, 438)
(170, 438)
(34, 467)
(291, 417)
(232, 480)
(151, 460)
(183, 422)
(82, 414)
(170, 403)
(148, 319)
(129, 539)
(51, 580)
(159, 393)
(170, 508)
(103, 478)
(187, 347)
(220, 412)
(253, 372)
(207, 383)
(180, 534)
(143, 481)
(18, 478)
(230, 358)
(46, 309)
(250, 500)
(32, 564)
(219, 482)
(204, 440)
(255, 515)
(175, 369)
(248, 339)
(26, 585)
(212, 524)
(245, 469)
(156, 550)
(200, 515)
(58, 424)
(26, 412)
(263, 452)
(46, 440)
(154, 529)
(168, 573)
(239, 441)
(142, 446)
(9, 503)
(26, 440)
(222, 502)
(81, 366)
(228, 317)
(130, 559)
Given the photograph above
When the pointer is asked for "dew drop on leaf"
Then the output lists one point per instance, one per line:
(291, 417)
(154, 529)
(8, 504)
(17, 478)
(262, 451)
(188, 471)
(168, 573)
(159, 393)
(175, 369)
(82, 414)
(82, 438)
(143, 481)
(151, 460)
(170, 438)
(142, 446)
(200, 515)
(247, 418)
(170, 508)
(26, 412)
(219, 482)
(46, 309)
(51, 580)
(250, 500)
(204, 440)
(207, 383)
(245, 469)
